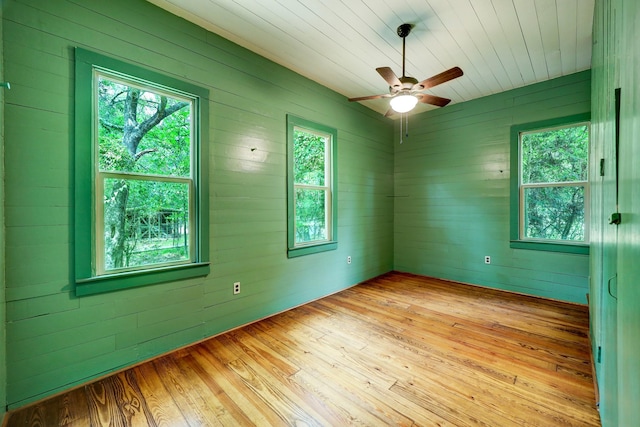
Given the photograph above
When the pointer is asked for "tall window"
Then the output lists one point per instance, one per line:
(138, 137)
(312, 187)
(553, 187)
(143, 175)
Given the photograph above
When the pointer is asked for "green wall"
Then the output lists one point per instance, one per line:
(3, 327)
(55, 340)
(614, 269)
(628, 329)
(452, 193)
(603, 305)
(434, 205)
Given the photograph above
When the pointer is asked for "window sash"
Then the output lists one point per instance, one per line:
(328, 242)
(327, 179)
(534, 131)
(522, 211)
(100, 226)
(522, 187)
(101, 176)
(131, 81)
(327, 214)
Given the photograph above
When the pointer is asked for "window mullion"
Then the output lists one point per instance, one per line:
(555, 184)
(312, 187)
(146, 177)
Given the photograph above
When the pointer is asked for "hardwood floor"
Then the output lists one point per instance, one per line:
(396, 350)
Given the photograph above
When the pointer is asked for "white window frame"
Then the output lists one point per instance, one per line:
(102, 176)
(326, 188)
(330, 188)
(518, 188)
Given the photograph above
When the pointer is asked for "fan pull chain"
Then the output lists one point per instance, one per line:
(406, 128)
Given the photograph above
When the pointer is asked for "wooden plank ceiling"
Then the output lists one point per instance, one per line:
(500, 44)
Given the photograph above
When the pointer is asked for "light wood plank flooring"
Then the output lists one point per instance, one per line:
(396, 350)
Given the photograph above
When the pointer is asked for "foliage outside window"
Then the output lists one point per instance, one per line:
(140, 143)
(143, 179)
(312, 188)
(552, 185)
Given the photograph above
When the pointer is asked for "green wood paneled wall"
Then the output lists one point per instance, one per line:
(452, 193)
(628, 284)
(3, 325)
(603, 260)
(615, 271)
(55, 340)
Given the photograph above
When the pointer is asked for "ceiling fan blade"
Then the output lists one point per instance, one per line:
(390, 112)
(389, 76)
(364, 98)
(445, 76)
(432, 99)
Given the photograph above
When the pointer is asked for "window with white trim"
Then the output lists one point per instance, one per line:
(553, 183)
(312, 187)
(144, 180)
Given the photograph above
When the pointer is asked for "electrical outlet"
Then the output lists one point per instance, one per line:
(349, 259)
(487, 259)
(236, 288)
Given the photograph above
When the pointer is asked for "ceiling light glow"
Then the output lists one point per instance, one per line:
(403, 103)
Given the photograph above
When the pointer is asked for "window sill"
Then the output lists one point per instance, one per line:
(307, 250)
(570, 248)
(132, 279)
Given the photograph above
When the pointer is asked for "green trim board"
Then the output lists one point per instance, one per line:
(116, 282)
(514, 219)
(293, 251)
(87, 282)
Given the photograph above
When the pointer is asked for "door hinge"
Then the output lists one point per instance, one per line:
(599, 357)
(601, 167)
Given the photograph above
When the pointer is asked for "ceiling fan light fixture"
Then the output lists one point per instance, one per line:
(403, 103)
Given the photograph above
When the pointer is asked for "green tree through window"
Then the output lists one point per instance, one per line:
(311, 192)
(141, 176)
(553, 183)
(144, 175)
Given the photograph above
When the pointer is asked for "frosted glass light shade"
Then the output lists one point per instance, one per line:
(403, 103)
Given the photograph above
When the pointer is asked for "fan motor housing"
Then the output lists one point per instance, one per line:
(407, 84)
(408, 81)
(404, 30)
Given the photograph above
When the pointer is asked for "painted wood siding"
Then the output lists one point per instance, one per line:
(603, 260)
(3, 325)
(628, 282)
(615, 271)
(55, 340)
(452, 193)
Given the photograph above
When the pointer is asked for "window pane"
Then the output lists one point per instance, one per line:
(557, 155)
(554, 213)
(309, 158)
(146, 222)
(142, 131)
(310, 215)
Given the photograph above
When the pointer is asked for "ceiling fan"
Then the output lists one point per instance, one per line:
(405, 92)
